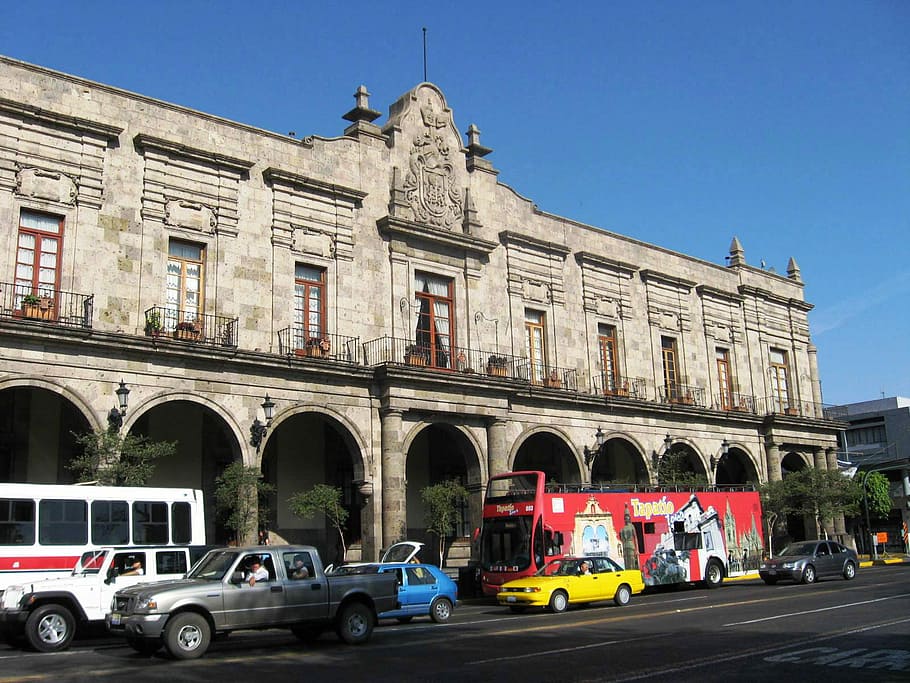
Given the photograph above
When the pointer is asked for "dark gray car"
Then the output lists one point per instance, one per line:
(807, 561)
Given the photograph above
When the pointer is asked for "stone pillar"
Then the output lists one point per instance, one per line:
(840, 525)
(819, 460)
(497, 454)
(816, 383)
(831, 457)
(394, 507)
(772, 454)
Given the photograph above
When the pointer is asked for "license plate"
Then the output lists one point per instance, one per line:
(115, 619)
(511, 598)
(773, 571)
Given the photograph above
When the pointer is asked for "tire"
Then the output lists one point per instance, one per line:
(623, 595)
(144, 646)
(516, 609)
(404, 620)
(441, 610)
(307, 634)
(770, 580)
(714, 575)
(187, 636)
(355, 624)
(50, 628)
(849, 571)
(559, 602)
(809, 574)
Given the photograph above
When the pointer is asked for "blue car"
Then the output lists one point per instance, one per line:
(422, 589)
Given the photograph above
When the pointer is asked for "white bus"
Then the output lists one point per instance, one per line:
(45, 528)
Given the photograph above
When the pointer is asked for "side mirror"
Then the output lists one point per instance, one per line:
(237, 578)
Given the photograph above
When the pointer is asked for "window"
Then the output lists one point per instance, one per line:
(185, 265)
(38, 255)
(17, 522)
(724, 382)
(535, 344)
(181, 527)
(606, 342)
(434, 337)
(309, 305)
(170, 562)
(150, 523)
(62, 522)
(418, 576)
(110, 522)
(779, 376)
(671, 368)
(867, 435)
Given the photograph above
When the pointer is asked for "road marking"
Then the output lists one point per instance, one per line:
(815, 611)
(555, 652)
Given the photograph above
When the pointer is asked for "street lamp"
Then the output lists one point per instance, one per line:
(716, 460)
(115, 417)
(257, 429)
(655, 456)
(599, 440)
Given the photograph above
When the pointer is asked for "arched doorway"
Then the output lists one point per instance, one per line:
(736, 469)
(548, 453)
(438, 453)
(36, 435)
(618, 462)
(681, 468)
(306, 449)
(799, 527)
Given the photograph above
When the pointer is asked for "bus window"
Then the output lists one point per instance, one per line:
(62, 522)
(181, 529)
(17, 522)
(150, 525)
(110, 522)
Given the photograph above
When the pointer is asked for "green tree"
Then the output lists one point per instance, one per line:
(675, 469)
(441, 508)
(326, 500)
(114, 460)
(774, 506)
(241, 500)
(878, 494)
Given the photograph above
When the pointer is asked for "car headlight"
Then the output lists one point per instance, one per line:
(789, 565)
(530, 589)
(146, 604)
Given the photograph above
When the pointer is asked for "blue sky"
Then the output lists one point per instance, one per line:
(683, 124)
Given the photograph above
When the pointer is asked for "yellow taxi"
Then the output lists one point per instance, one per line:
(572, 580)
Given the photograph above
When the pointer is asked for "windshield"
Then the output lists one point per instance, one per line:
(504, 544)
(512, 488)
(563, 567)
(213, 566)
(798, 549)
(90, 562)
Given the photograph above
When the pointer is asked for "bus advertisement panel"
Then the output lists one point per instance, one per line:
(46, 528)
(670, 536)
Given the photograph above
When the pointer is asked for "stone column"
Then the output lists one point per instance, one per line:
(394, 508)
(819, 459)
(816, 384)
(497, 454)
(840, 525)
(772, 454)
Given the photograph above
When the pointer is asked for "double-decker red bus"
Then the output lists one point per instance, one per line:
(671, 536)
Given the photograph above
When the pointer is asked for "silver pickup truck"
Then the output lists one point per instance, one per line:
(219, 596)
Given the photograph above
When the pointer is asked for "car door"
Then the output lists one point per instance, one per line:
(307, 596)
(826, 559)
(606, 577)
(247, 606)
(419, 590)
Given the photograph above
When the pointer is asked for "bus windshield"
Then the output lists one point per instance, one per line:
(504, 544)
(516, 487)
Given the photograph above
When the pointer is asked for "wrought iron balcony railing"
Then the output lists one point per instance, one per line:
(620, 386)
(293, 341)
(190, 326)
(683, 394)
(42, 304)
(734, 402)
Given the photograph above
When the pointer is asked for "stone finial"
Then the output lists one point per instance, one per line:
(737, 255)
(474, 147)
(793, 270)
(362, 111)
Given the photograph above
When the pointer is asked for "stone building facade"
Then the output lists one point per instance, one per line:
(411, 318)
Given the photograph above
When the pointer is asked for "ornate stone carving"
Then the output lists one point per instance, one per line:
(48, 185)
(312, 242)
(430, 184)
(190, 215)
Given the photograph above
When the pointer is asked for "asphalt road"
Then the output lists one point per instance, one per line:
(831, 631)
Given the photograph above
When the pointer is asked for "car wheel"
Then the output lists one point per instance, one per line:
(306, 633)
(770, 580)
(441, 610)
(404, 620)
(809, 574)
(849, 571)
(144, 646)
(623, 595)
(516, 609)
(714, 575)
(50, 628)
(355, 624)
(559, 601)
(187, 636)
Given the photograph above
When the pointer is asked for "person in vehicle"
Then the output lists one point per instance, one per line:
(258, 572)
(299, 570)
(584, 567)
(135, 569)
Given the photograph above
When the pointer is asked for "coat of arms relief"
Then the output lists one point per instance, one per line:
(430, 184)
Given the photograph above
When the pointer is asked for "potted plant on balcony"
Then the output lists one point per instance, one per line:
(552, 380)
(188, 330)
(415, 355)
(38, 307)
(316, 347)
(153, 323)
(497, 365)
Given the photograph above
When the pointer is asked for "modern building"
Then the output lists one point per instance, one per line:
(402, 316)
(877, 439)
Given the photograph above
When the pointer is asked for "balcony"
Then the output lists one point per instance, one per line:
(54, 306)
(682, 394)
(190, 327)
(733, 402)
(293, 342)
(619, 386)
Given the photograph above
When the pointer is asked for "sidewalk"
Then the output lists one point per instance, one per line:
(884, 558)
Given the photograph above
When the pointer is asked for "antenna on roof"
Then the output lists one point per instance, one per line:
(424, 53)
